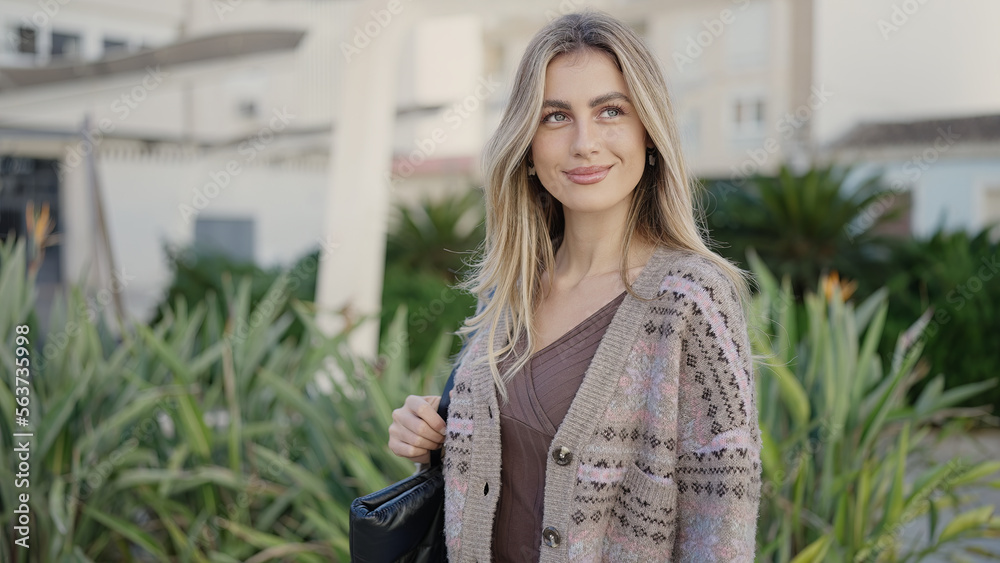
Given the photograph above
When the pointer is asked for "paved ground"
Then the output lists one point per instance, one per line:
(980, 446)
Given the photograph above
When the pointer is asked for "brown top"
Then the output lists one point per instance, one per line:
(540, 396)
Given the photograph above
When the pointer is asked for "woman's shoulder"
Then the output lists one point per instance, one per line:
(693, 274)
(695, 267)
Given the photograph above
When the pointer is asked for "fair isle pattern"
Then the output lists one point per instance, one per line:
(663, 433)
(459, 447)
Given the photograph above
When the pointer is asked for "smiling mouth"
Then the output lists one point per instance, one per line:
(587, 174)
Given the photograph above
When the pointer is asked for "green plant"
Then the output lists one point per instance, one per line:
(838, 432)
(801, 225)
(206, 437)
(198, 275)
(432, 306)
(955, 278)
(426, 251)
(437, 235)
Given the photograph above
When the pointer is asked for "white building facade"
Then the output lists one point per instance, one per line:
(270, 129)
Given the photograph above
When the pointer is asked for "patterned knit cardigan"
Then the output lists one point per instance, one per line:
(658, 458)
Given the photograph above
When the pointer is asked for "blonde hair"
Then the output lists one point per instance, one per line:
(524, 223)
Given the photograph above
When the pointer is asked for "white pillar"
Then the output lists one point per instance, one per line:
(353, 256)
(79, 228)
(352, 260)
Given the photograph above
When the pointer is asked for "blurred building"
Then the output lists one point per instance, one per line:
(207, 127)
(740, 74)
(941, 173)
(219, 124)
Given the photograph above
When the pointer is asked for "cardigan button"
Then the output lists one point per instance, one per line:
(562, 456)
(551, 536)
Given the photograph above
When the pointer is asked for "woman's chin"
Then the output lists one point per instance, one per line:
(590, 199)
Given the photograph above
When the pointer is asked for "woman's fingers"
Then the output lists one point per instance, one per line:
(416, 428)
(426, 408)
(411, 444)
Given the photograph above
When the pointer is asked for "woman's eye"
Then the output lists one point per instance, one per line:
(614, 112)
(552, 117)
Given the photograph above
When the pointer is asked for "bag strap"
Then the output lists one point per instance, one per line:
(443, 411)
(445, 395)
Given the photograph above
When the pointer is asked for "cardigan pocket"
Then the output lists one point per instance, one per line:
(643, 518)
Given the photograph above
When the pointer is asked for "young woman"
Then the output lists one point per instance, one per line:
(603, 406)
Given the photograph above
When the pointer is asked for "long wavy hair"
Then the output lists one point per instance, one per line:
(524, 223)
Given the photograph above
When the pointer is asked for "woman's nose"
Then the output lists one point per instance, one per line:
(587, 140)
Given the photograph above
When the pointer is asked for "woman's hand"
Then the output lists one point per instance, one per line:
(416, 428)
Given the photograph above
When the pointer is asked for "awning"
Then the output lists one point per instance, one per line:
(195, 49)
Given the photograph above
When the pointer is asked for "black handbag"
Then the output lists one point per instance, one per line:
(404, 522)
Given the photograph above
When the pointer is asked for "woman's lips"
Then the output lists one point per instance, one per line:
(588, 174)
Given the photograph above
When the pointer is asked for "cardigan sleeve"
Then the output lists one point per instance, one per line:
(718, 470)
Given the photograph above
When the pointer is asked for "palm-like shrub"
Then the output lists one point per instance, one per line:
(202, 438)
(955, 278)
(801, 225)
(207, 276)
(437, 235)
(208, 438)
(426, 250)
(839, 431)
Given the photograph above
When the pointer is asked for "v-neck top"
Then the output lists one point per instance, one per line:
(540, 396)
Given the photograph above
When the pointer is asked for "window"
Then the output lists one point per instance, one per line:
(247, 108)
(11, 223)
(24, 180)
(686, 53)
(65, 45)
(26, 40)
(114, 46)
(232, 237)
(748, 116)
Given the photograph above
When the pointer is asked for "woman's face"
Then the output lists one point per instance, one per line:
(589, 150)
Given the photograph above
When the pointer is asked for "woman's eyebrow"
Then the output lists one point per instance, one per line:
(603, 98)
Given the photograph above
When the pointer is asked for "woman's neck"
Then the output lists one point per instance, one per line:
(591, 247)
